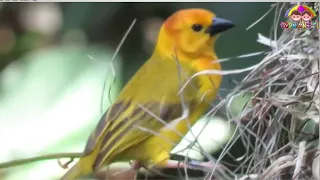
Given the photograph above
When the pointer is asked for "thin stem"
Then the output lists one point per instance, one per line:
(39, 158)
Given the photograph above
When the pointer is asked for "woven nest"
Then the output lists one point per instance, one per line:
(279, 126)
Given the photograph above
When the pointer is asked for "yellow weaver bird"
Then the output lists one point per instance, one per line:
(151, 115)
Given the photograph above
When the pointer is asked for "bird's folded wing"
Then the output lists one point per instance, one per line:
(132, 120)
(130, 127)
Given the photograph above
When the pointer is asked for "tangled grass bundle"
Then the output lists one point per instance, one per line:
(279, 126)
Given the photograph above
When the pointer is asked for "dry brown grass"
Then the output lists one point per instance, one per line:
(279, 126)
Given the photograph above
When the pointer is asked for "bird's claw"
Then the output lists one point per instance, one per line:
(65, 165)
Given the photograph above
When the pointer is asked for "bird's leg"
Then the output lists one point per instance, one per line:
(194, 164)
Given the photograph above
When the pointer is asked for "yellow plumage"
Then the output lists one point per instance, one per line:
(144, 123)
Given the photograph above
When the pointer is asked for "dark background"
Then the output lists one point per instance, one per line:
(106, 23)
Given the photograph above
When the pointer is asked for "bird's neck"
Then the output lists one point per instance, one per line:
(166, 50)
(207, 60)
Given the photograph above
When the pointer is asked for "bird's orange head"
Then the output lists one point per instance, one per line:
(191, 33)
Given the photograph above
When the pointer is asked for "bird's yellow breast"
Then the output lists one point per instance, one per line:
(157, 148)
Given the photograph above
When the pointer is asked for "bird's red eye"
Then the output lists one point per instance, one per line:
(196, 27)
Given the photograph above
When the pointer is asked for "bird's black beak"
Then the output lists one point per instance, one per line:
(219, 25)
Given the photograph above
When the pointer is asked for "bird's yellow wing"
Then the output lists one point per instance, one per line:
(135, 115)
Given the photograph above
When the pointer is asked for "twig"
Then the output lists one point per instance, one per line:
(319, 78)
(39, 158)
(262, 17)
(113, 71)
(300, 160)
